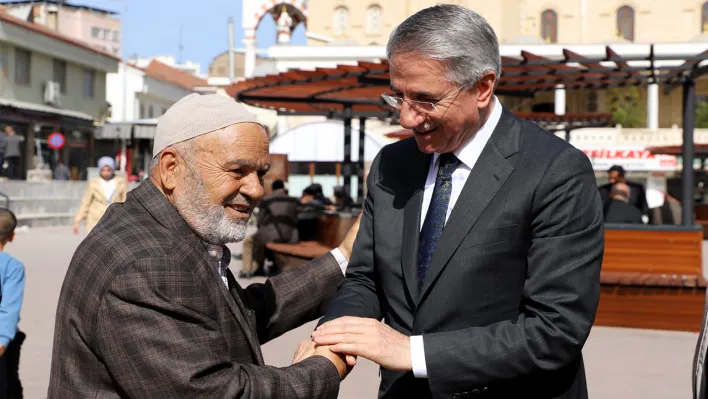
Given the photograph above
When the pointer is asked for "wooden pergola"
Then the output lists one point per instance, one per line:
(354, 91)
(549, 121)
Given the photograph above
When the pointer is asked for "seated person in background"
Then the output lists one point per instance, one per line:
(277, 222)
(62, 172)
(618, 209)
(342, 200)
(316, 189)
(310, 209)
(617, 174)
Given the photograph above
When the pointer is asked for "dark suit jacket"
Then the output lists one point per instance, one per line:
(143, 314)
(621, 212)
(514, 284)
(637, 195)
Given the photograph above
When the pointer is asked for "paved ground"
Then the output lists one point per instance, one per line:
(620, 363)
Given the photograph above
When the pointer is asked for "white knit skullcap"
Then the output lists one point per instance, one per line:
(195, 115)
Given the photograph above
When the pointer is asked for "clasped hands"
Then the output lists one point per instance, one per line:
(344, 339)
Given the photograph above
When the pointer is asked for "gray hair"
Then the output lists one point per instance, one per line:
(454, 34)
(185, 149)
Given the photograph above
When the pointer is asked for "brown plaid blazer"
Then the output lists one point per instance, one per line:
(143, 314)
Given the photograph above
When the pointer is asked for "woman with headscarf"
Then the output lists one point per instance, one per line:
(102, 191)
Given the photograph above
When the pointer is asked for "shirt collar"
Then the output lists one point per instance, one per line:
(219, 253)
(467, 154)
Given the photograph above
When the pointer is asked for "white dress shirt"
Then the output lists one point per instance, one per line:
(468, 155)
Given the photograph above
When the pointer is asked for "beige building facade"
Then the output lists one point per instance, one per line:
(521, 21)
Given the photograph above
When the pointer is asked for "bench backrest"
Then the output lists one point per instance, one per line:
(331, 229)
(663, 251)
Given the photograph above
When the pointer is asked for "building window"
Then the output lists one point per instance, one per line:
(151, 113)
(116, 36)
(4, 61)
(89, 79)
(625, 23)
(341, 21)
(549, 26)
(373, 20)
(142, 111)
(106, 34)
(704, 18)
(95, 32)
(23, 66)
(59, 74)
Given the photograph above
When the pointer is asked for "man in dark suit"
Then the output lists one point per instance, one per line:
(618, 209)
(482, 236)
(149, 308)
(617, 174)
(277, 222)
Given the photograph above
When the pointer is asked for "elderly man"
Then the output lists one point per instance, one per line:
(149, 308)
(618, 209)
(482, 236)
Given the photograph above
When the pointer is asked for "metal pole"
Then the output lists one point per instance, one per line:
(360, 168)
(567, 135)
(232, 72)
(347, 172)
(689, 120)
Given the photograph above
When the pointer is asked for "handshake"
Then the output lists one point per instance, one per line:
(344, 339)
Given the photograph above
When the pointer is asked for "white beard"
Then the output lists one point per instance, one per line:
(209, 221)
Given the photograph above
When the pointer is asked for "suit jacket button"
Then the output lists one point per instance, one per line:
(485, 389)
(456, 395)
(476, 391)
(466, 395)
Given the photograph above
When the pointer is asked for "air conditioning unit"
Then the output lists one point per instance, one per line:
(52, 93)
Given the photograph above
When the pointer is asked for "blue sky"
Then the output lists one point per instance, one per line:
(152, 27)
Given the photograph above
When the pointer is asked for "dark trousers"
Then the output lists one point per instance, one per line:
(13, 168)
(10, 386)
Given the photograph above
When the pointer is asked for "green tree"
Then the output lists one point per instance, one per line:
(626, 107)
(702, 115)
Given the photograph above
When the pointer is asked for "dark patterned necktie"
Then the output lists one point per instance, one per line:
(437, 212)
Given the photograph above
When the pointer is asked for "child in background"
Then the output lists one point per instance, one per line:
(12, 285)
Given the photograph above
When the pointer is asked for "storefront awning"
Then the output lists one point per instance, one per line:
(44, 109)
(140, 129)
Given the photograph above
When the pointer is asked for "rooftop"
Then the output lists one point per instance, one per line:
(56, 2)
(5, 17)
(161, 71)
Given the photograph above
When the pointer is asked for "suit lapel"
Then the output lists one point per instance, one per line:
(241, 314)
(411, 223)
(489, 174)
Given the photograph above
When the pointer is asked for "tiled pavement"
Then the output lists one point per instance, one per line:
(620, 363)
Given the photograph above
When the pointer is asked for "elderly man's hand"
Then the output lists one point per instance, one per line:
(305, 350)
(368, 338)
(337, 359)
(346, 246)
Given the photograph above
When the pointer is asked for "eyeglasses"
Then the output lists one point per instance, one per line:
(420, 106)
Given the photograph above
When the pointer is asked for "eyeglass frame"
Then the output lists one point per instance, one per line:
(412, 102)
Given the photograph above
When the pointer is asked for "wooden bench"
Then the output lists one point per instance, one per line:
(331, 230)
(652, 278)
